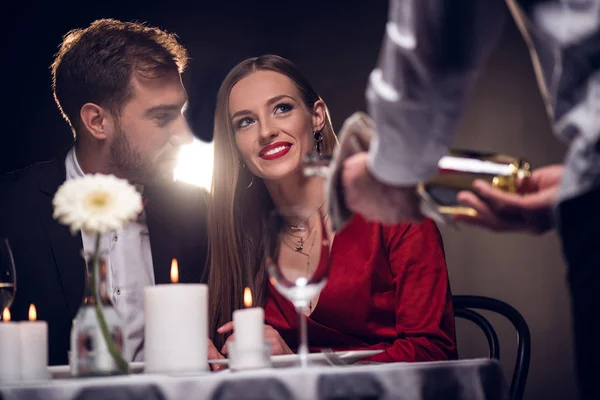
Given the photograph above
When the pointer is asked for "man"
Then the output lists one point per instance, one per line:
(118, 85)
(432, 54)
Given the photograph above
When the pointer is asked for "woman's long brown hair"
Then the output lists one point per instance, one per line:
(238, 210)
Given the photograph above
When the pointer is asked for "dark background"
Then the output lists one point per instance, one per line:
(335, 44)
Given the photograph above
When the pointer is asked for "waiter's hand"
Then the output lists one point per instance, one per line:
(529, 210)
(374, 200)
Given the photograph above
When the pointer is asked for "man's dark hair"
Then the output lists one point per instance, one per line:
(96, 64)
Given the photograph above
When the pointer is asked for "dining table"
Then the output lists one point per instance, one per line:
(470, 379)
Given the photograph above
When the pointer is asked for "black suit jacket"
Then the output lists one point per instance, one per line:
(49, 267)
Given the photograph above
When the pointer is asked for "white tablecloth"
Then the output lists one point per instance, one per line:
(465, 379)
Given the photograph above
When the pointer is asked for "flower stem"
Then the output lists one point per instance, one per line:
(112, 347)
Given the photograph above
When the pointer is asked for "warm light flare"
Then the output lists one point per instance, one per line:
(195, 164)
(247, 297)
(6, 315)
(32, 313)
(174, 271)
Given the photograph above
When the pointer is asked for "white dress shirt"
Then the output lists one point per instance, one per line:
(130, 269)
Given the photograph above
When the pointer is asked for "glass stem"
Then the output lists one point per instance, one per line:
(303, 340)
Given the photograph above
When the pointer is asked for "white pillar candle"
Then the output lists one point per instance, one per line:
(248, 325)
(176, 328)
(34, 348)
(10, 349)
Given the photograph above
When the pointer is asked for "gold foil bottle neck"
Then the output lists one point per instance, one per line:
(458, 170)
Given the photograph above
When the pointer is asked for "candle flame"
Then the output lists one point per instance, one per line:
(6, 315)
(247, 297)
(174, 271)
(32, 313)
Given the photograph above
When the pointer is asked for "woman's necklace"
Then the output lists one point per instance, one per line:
(300, 251)
(308, 274)
(298, 247)
(300, 227)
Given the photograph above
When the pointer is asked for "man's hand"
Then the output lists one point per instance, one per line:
(374, 200)
(529, 210)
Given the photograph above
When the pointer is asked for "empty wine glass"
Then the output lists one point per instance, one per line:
(8, 278)
(298, 261)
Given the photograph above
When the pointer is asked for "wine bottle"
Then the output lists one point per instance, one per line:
(458, 170)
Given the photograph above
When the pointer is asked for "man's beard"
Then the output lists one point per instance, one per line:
(128, 162)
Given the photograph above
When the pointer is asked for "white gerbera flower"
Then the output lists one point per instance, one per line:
(96, 203)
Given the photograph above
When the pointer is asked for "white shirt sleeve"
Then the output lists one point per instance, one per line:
(431, 55)
(566, 37)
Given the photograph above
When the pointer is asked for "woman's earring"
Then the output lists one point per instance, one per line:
(318, 136)
(251, 182)
(243, 167)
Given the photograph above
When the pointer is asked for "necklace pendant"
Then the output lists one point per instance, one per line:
(299, 249)
(297, 228)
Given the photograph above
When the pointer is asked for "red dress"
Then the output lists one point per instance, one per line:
(387, 289)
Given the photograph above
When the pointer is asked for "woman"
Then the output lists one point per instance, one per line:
(388, 286)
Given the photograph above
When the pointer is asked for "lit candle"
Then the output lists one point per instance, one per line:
(174, 271)
(10, 349)
(248, 325)
(176, 326)
(34, 348)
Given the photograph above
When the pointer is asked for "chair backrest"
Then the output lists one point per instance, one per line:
(463, 308)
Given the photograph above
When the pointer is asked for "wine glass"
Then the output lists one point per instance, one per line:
(8, 278)
(297, 260)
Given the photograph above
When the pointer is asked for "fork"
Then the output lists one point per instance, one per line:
(333, 359)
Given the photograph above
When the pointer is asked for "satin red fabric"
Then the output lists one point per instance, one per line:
(388, 289)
